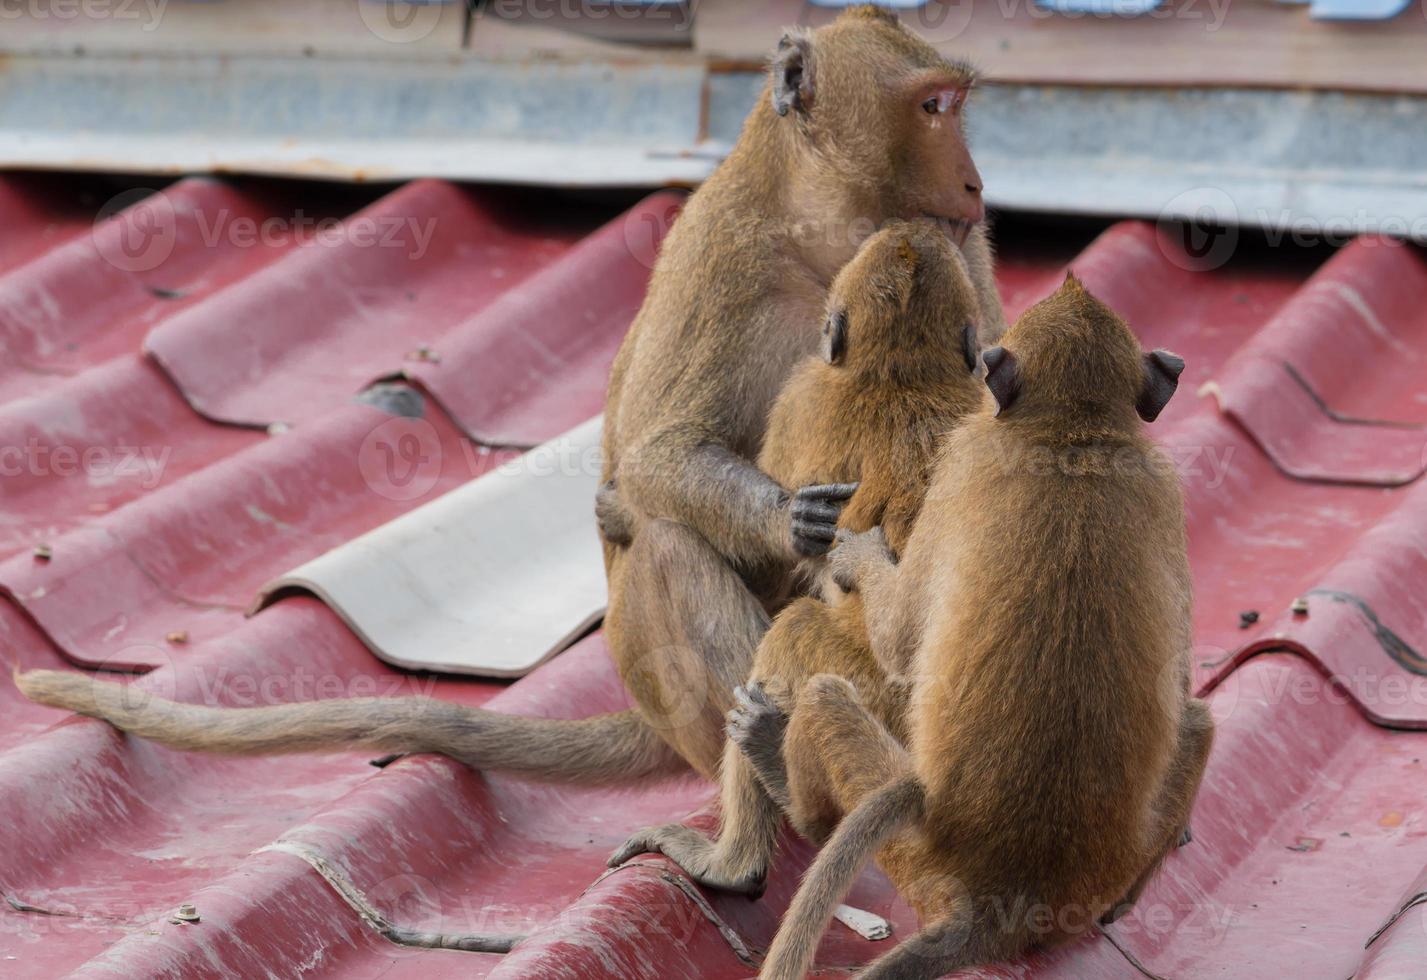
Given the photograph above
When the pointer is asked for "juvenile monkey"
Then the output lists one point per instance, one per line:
(897, 369)
(894, 370)
(860, 123)
(1055, 749)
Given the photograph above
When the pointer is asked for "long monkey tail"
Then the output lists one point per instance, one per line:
(860, 833)
(617, 747)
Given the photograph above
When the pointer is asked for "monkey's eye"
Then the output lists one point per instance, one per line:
(947, 99)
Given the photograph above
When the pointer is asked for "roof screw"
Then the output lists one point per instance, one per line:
(1300, 606)
(187, 912)
(177, 636)
(424, 353)
(278, 428)
(43, 552)
(1247, 618)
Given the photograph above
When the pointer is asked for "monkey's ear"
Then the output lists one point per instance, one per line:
(1161, 379)
(1003, 377)
(834, 342)
(792, 72)
(969, 346)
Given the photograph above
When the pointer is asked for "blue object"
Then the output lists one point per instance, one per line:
(1358, 9)
(1101, 8)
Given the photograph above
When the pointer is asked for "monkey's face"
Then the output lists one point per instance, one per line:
(938, 177)
(882, 110)
(1071, 357)
(907, 292)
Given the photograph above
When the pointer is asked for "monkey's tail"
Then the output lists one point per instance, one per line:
(608, 748)
(860, 833)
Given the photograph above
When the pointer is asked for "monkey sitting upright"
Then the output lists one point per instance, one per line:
(897, 370)
(860, 122)
(1044, 599)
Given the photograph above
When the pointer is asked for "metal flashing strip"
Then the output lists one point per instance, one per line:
(1320, 163)
(491, 579)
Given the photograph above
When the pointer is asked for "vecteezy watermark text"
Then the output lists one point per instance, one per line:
(138, 230)
(149, 12)
(408, 233)
(99, 464)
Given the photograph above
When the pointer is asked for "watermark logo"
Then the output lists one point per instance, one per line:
(400, 23)
(594, 13)
(562, 456)
(645, 229)
(401, 458)
(408, 899)
(939, 22)
(148, 12)
(100, 465)
(136, 231)
(1199, 229)
(159, 684)
(678, 685)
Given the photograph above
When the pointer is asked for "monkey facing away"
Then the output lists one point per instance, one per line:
(1043, 600)
(897, 370)
(860, 123)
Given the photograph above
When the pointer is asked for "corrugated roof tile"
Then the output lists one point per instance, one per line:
(1306, 837)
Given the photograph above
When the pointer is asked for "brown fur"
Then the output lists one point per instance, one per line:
(734, 306)
(876, 415)
(896, 373)
(838, 145)
(590, 750)
(1044, 594)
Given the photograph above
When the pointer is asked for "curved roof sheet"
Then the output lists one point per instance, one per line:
(131, 346)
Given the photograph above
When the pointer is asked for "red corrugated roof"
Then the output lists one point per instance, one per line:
(1300, 430)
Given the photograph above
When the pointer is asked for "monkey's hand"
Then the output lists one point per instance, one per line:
(856, 552)
(615, 521)
(813, 513)
(700, 858)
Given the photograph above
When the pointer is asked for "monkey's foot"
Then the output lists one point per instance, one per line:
(755, 724)
(698, 856)
(1184, 838)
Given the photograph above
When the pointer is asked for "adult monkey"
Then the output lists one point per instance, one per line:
(860, 122)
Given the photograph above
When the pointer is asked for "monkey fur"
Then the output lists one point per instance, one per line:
(860, 123)
(1043, 602)
(897, 369)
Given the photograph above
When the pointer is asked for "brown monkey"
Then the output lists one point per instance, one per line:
(874, 401)
(897, 370)
(860, 123)
(1054, 748)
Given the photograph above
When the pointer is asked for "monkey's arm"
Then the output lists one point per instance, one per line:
(864, 511)
(740, 510)
(981, 262)
(864, 562)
